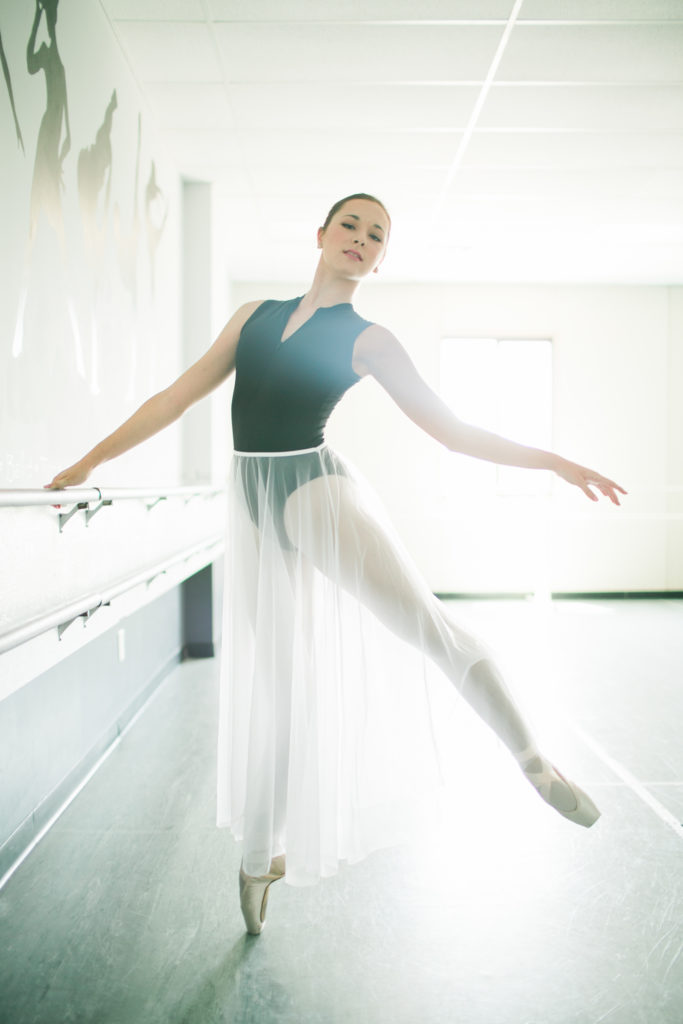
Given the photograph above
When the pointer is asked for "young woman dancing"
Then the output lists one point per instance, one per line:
(334, 647)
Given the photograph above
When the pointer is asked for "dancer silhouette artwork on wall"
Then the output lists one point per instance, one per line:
(52, 147)
(127, 240)
(94, 187)
(335, 651)
(156, 211)
(54, 135)
(8, 83)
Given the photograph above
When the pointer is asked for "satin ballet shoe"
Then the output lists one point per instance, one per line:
(564, 796)
(254, 894)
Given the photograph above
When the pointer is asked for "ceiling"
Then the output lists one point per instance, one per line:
(511, 140)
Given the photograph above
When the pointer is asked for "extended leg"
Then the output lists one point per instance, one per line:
(368, 562)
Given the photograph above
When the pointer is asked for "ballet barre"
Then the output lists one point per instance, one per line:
(91, 499)
(61, 618)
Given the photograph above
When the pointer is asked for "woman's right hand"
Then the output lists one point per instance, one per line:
(71, 477)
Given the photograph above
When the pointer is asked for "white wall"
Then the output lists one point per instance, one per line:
(90, 317)
(674, 506)
(90, 308)
(206, 291)
(618, 367)
(93, 297)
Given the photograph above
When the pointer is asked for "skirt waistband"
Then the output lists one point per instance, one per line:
(275, 455)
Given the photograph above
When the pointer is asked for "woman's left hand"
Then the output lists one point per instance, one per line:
(582, 477)
(71, 477)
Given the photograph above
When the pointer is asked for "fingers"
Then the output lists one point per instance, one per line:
(55, 484)
(584, 478)
(612, 485)
(606, 486)
(62, 480)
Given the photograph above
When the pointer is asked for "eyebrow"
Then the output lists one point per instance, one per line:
(356, 217)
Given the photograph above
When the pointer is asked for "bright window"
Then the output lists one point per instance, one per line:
(505, 386)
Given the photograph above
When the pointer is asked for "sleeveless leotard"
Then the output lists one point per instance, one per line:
(284, 394)
(286, 390)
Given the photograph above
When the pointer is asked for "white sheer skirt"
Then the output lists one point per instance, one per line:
(333, 651)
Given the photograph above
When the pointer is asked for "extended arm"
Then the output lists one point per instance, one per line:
(379, 353)
(166, 406)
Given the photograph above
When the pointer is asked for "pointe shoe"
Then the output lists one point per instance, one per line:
(254, 894)
(565, 797)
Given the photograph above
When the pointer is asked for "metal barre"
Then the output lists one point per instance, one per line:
(85, 495)
(86, 606)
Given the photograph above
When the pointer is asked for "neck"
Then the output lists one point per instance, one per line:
(328, 290)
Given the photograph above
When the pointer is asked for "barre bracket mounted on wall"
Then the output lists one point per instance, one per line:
(85, 616)
(64, 517)
(150, 505)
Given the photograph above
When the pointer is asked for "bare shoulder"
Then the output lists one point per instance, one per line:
(247, 309)
(230, 334)
(374, 345)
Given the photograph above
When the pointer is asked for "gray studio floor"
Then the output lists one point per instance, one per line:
(127, 911)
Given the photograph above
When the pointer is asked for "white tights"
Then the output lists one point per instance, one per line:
(371, 564)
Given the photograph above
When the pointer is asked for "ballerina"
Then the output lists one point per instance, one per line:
(332, 642)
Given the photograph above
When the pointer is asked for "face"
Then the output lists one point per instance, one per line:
(355, 239)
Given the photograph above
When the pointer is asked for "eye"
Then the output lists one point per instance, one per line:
(347, 225)
(376, 238)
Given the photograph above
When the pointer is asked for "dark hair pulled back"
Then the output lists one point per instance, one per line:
(356, 195)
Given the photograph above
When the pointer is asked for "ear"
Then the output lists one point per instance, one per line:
(320, 238)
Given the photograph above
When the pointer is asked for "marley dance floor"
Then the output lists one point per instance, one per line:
(127, 911)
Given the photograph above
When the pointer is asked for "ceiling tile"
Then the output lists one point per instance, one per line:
(339, 181)
(593, 53)
(170, 51)
(191, 105)
(562, 184)
(577, 208)
(567, 108)
(206, 148)
(288, 149)
(559, 181)
(554, 149)
(601, 10)
(154, 10)
(380, 108)
(318, 53)
(359, 10)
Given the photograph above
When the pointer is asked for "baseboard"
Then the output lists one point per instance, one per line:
(14, 849)
(603, 595)
(198, 650)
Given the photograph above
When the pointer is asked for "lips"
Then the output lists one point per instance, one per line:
(355, 255)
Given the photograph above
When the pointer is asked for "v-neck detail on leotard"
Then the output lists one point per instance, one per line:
(285, 391)
(290, 312)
